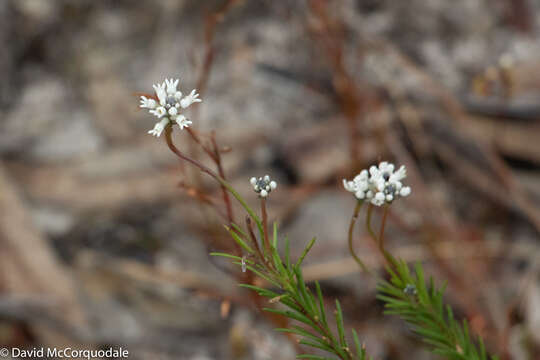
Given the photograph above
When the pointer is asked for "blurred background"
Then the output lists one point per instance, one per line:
(104, 235)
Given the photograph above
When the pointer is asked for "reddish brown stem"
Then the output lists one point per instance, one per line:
(214, 154)
(203, 168)
(226, 197)
(206, 149)
(202, 198)
(174, 149)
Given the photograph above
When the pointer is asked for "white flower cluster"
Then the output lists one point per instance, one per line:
(169, 101)
(381, 184)
(263, 185)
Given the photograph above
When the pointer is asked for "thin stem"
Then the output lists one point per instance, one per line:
(203, 168)
(368, 223)
(387, 257)
(324, 330)
(216, 157)
(351, 229)
(174, 149)
(249, 226)
(226, 198)
(196, 138)
(381, 230)
(265, 226)
(203, 198)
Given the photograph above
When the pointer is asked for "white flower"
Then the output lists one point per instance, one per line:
(173, 111)
(159, 127)
(379, 185)
(171, 86)
(190, 99)
(405, 191)
(148, 103)
(359, 185)
(399, 175)
(169, 101)
(182, 121)
(378, 199)
(263, 185)
(159, 112)
(160, 93)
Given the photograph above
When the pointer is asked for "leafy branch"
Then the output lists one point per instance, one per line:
(405, 294)
(290, 289)
(422, 306)
(300, 302)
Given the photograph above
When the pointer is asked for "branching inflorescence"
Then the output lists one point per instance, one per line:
(405, 294)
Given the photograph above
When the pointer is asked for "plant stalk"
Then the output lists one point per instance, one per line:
(351, 229)
(264, 216)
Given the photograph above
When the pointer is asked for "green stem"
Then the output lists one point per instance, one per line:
(324, 330)
(378, 239)
(389, 258)
(381, 230)
(264, 216)
(368, 223)
(351, 229)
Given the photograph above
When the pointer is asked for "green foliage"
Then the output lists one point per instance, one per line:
(421, 305)
(298, 301)
(406, 295)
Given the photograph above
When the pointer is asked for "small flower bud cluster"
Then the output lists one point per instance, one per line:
(380, 185)
(166, 105)
(410, 289)
(263, 185)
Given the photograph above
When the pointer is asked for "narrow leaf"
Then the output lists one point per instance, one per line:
(304, 253)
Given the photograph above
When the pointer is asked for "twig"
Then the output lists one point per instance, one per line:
(330, 35)
(226, 198)
(215, 155)
(174, 149)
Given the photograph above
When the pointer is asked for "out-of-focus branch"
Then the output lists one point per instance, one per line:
(328, 33)
(30, 267)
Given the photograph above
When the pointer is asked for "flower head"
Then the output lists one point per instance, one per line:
(380, 185)
(166, 105)
(263, 185)
(410, 289)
